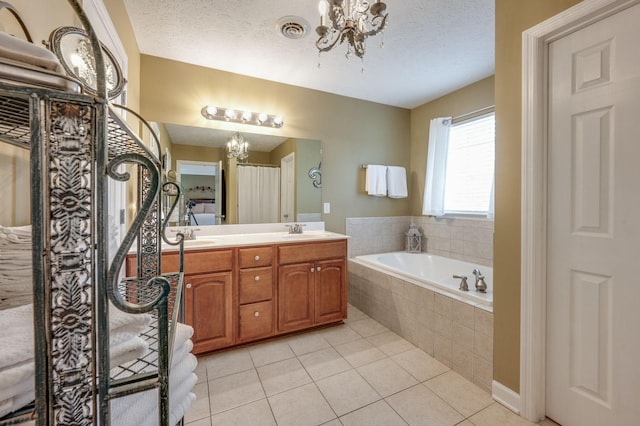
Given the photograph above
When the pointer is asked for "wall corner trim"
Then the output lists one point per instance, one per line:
(505, 396)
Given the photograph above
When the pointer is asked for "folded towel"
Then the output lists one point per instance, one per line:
(14, 234)
(127, 351)
(376, 180)
(396, 182)
(15, 403)
(28, 53)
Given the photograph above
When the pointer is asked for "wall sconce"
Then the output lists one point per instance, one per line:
(245, 117)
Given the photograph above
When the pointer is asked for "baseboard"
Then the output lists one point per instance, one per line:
(506, 396)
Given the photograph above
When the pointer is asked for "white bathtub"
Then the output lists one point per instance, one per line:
(435, 273)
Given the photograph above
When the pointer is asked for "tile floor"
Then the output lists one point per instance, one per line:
(357, 373)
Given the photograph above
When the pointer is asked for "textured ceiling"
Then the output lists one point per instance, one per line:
(431, 47)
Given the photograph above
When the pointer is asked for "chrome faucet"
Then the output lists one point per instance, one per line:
(463, 283)
(296, 228)
(481, 286)
(188, 233)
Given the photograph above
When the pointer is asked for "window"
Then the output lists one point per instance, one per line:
(470, 166)
(460, 166)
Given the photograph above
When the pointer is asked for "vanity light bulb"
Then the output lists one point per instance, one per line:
(230, 114)
(262, 117)
(211, 110)
(246, 116)
(277, 121)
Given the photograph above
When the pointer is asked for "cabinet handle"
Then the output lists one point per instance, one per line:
(257, 278)
(256, 314)
(189, 285)
(318, 268)
(256, 258)
(313, 270)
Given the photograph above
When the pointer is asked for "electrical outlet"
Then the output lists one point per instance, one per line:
(327, 208)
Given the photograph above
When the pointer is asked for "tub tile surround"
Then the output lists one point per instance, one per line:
(468, 239)
(458, 335)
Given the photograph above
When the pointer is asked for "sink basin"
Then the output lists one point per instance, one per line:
(307, 235)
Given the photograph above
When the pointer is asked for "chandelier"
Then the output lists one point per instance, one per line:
(238, 147)
(350, 20)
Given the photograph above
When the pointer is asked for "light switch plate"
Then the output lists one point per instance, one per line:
(327, 208)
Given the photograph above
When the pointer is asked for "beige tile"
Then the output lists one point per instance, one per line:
(462, 336)
(460, 393)
(303, 406)
(200, 407)
(463, 314)
(282, 376)
(359, 352)
(324, 363)
(201, 422)
(308, 342)
(483, 346)
(443, 305)
(340, 334)
(255, 414)
(225, 363)
(235, 390)
(387, 377)
(465, 423)
(548, 422)
(270, 352)
(424, 340)
(419, 364)
(390, 343)
(347, 391)
(442, 326)
(442, 349)
(462, 361)
(376, 414)
(354, 313)
(368, 327)
(483, 321)
(482, 373)
(334, 422)
(419, 406)
(496, 414)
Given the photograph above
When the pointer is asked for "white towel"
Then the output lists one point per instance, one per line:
(396, 182)
(376, 183)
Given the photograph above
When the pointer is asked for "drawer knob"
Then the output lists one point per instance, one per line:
(257, 278)
(256, 258)
(318, 268)
(313, 270)
(256, 314)
(189, 285)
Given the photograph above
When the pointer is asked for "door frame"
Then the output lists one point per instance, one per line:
(533, 305)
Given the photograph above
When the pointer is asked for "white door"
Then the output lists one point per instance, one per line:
(593, 252)
(287, 188)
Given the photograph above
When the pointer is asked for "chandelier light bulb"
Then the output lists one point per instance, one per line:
(322, 8)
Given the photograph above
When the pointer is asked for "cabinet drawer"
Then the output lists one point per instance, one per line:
(199, 261)
(256, 284)
(252, 257)
(256, 321)
(296, 253)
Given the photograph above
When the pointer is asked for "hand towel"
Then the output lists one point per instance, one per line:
(376, 180)
(396, 182)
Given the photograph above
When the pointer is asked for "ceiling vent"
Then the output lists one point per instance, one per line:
(293, 27)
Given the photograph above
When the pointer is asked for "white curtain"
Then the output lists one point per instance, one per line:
(258, 194)
(436, 166)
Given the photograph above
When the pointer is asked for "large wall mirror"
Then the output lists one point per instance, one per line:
(279, 181)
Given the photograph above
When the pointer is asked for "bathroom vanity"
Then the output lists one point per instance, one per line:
(244, 288)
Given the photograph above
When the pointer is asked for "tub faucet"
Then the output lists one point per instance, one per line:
(481, 286)
(463, 283)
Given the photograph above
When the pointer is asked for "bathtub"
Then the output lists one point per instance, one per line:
(434, 273)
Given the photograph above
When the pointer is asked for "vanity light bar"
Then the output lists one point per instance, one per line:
(244, 117)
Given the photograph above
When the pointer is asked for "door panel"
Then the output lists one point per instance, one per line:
(295, 296)
(593, 232)
(330, 291)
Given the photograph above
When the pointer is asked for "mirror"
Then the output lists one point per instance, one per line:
(280, 181)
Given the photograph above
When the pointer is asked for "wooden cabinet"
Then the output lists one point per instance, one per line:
(311, 285)
(209, 310)
(241, 294)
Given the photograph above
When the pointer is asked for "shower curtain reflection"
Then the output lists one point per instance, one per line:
(258, 194)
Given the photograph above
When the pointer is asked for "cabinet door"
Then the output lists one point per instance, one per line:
(208, 309)
(330, 291)
(295, 296)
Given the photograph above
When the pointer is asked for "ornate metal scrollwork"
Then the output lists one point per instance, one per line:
(315, 173)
